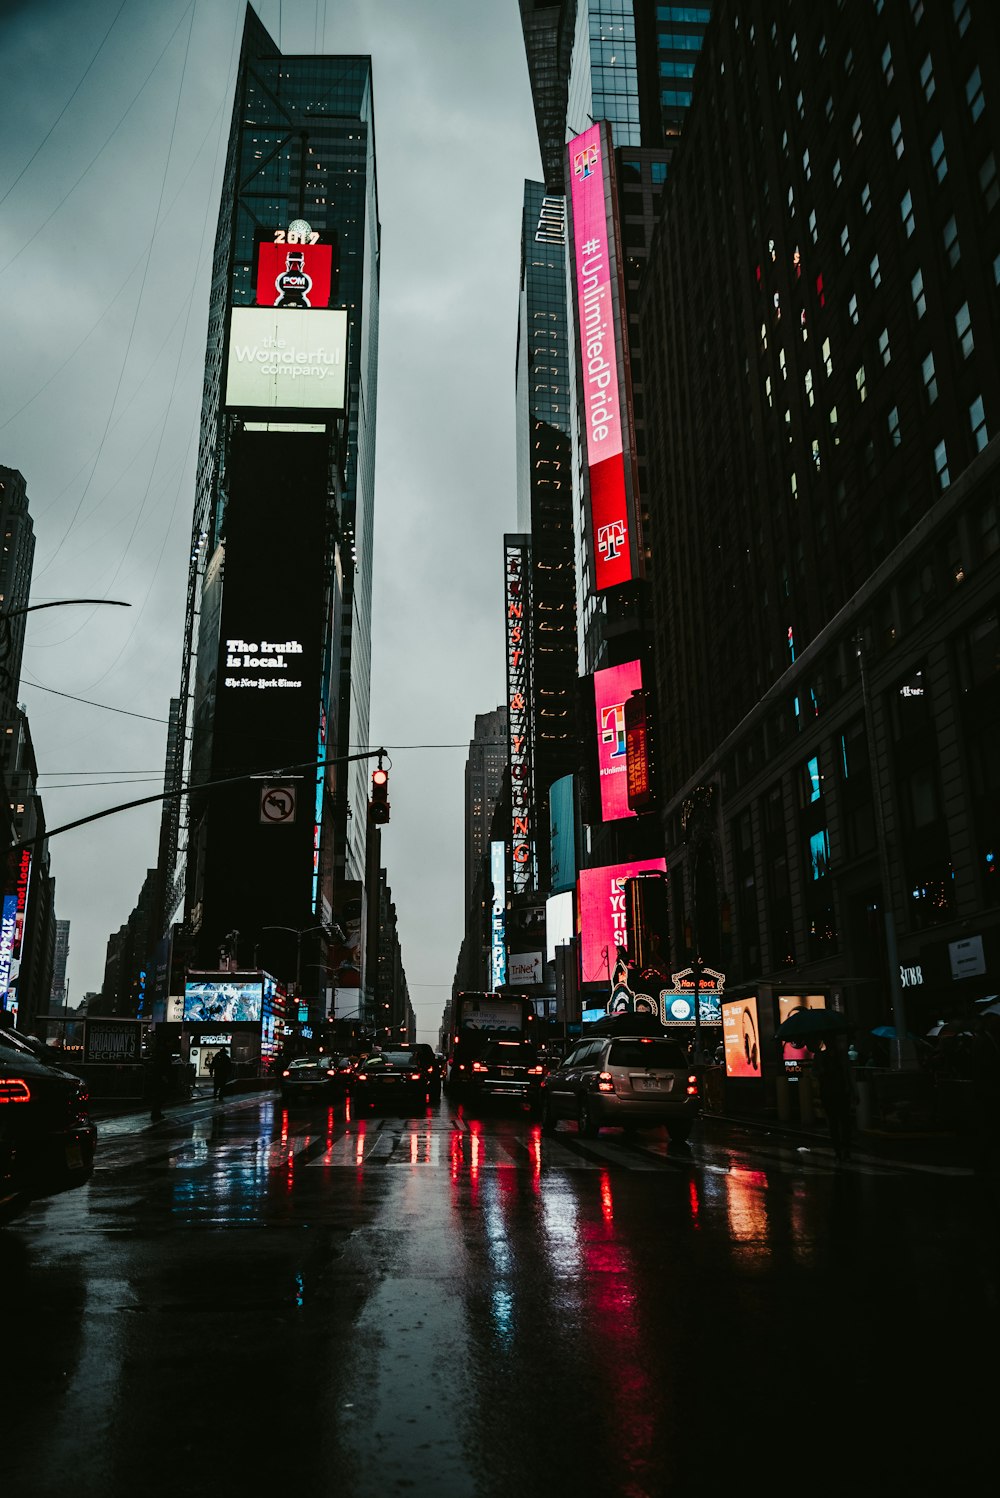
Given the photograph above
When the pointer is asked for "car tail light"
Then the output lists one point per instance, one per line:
(286, 1074)
(330, 1073)
(535, 1071)
(479, 1066)
(692, 1087)
(605, 1082)
(362, 1076)
(416, 1076)
(14, 1090)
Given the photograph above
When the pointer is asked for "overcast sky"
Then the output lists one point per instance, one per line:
(114, 117)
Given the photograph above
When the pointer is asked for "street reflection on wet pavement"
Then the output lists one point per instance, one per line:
(250, 1297)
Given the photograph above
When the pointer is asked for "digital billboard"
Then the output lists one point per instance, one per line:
(498, 914)
(223, 1001)
(612, 689)
(294, 275)
(562, 835)
(558, 923)
(8, 921)
(604, 376)
(741, 1038)
(602, 917)
(794, 1055)
(284, 358)
(517, 601)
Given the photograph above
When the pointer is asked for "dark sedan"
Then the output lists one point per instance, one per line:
(313, 1079)
(391, 1078)
(47, 1139)
(507, 1070)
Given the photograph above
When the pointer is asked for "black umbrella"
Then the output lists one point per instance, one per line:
(808, 1024)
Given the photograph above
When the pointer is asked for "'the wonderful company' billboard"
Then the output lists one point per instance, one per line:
(284, 358)
(603, 360)
(612, 689)
(602, 915)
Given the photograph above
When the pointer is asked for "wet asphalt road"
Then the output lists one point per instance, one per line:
(248, 1300)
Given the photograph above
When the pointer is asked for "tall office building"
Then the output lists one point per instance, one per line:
(16, 561)
(823, 382)
(278, 637)
(483, 781)
(59, 993)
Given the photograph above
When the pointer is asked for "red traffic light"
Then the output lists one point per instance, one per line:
(380, 795)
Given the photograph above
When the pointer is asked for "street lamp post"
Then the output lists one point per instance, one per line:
(298, 932)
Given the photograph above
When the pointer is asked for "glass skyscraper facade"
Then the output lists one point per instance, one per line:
(300, 172)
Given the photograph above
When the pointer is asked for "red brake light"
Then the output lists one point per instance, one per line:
(479, 1066)
(14, 1090)
(286, 1074)
(605, 1082)
(416, 1076)
(330, 1073)
(692, 1087)
(362, 1076)
(535, 1071)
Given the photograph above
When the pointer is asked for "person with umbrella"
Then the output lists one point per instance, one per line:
(836, 1091)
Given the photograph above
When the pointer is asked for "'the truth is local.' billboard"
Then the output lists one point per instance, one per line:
(287, 359)
(612, 689)
(602, 915)
(603, 360)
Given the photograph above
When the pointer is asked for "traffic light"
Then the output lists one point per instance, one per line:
(380, 795)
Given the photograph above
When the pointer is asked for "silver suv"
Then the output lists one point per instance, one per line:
(637, 1081)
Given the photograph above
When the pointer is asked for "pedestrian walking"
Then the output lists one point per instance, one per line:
(221, 1067)
(836, 1092)
(158, 1077)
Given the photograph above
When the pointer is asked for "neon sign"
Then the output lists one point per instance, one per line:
(612, 689)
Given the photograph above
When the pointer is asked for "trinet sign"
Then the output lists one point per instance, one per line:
(287, 359)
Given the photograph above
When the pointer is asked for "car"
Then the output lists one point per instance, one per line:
(636, 1081)
(389, 1077)
(506, 1070)
(47, 1138)
(312, 1079)
(432, 1071)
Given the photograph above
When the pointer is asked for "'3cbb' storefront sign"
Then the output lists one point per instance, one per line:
(911, 977)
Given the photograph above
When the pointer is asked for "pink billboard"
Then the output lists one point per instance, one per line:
(612, 689)
(601, 914)
(615, 549)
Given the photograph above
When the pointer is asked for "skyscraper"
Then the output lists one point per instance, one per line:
(276, 664)
(16, 561)
(483, 781)
(820, 318)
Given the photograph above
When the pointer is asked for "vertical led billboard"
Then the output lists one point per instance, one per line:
(517, 599)
(562, 835)
(741, 1038)
(602, 915)
(603, 360)
(612, 689)
(498, 915)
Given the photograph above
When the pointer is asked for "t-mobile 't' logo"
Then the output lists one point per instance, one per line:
(611, 540)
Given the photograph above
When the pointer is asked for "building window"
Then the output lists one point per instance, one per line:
(906, 213)
(917, 11)
(917, 290)
(930, 379)
(974, 93)
(977, 420)
(951, 245)
(852, 309)
(806, 168)
(941, 465)
(800, 105)
(887, 67)
(767, 392)
(883, 345)
(838, 175)
(896, 136)
(963, 330)
(927, 78)
(939, 160)
(861, 382)
(866, 199)
(988, 182)
(812, 226)
(960, 10)
(827, 357)
(875, 271)
(849, 62)
(810, 395)
(845, 239)
(828, 107)
(834, 426)
(856, 130)
(895, 436)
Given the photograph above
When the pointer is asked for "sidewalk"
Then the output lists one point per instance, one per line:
(928, 1150)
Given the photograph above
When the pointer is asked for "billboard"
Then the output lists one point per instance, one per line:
(294, 275)
(517, 601)
(498, 914)
(116, 1042)
(525, 968)
(8, 920)
(558, 923)
(283, 358)
(612, 689)
(562, 835)
(741, 1038)
(23, 885)
(601, 915)
(794, 1055)
(223, 1001)
(603, 364)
